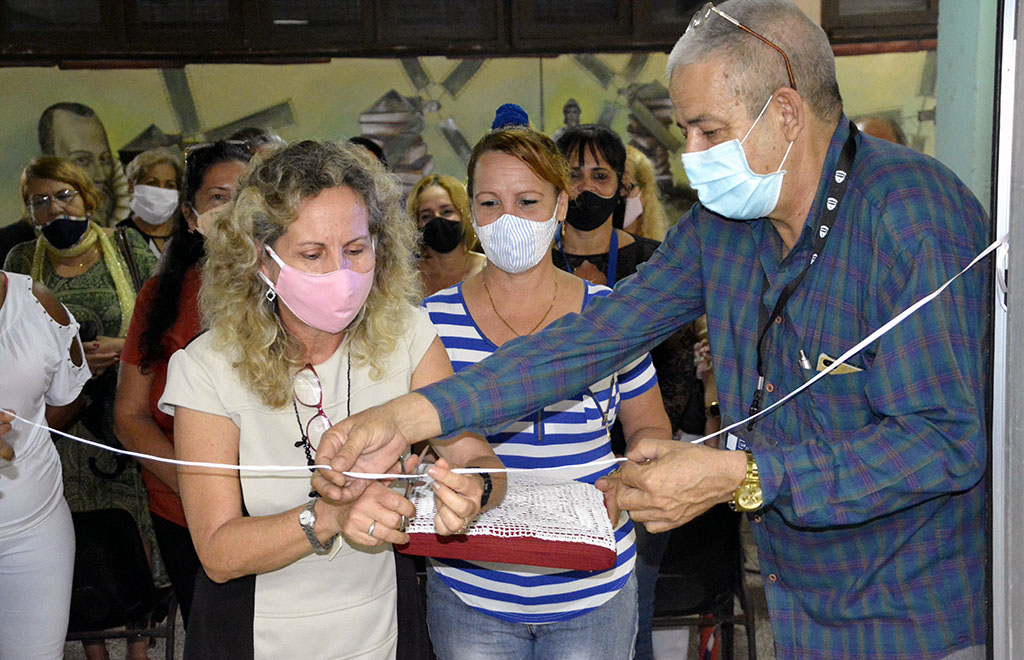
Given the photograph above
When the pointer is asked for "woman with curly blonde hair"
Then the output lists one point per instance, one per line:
(309, 292)
(644, 214)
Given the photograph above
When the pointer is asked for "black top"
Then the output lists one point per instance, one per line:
(19, 232)
(681, 391)
(637, 252)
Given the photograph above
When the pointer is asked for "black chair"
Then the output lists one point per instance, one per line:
(701, 573)
(112, 594)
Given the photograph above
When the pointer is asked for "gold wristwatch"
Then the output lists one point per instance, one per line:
(747, 497)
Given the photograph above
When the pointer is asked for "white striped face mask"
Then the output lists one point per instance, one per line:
(516, 244)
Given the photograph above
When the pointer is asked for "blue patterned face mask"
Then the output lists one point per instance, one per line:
(65, 231)
(725, 183)
(515, 244)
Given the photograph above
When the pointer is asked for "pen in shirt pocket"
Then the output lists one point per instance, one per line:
(805, 364)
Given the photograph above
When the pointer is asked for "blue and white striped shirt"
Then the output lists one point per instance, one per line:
(569, 432)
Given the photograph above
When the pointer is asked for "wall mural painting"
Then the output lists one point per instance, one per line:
(73, 131)
(425, 112)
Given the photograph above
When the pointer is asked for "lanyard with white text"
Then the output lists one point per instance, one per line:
(826, 218)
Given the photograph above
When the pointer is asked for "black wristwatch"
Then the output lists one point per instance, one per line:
(488, 487)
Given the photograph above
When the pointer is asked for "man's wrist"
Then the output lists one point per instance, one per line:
(737, 470)
(748, 495)
(416, 417)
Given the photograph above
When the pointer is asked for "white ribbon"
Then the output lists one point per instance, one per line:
(383, 475)
(861, 345)
(299, 468)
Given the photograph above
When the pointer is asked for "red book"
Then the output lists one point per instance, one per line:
(541, 522)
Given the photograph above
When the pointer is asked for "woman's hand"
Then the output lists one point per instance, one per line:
(6, 451)
(456, 498)
(102, 352)
(136, 427)
(379, 510)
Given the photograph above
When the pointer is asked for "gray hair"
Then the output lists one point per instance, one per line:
(757, 70)
(142, 163)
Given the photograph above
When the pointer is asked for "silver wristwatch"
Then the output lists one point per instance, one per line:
(307, 520)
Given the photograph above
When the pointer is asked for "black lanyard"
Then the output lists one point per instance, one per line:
(827, 215)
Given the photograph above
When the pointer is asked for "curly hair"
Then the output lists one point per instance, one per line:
(652, 223)
(232, 298)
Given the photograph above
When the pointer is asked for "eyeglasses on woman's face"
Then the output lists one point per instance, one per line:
(39, 205)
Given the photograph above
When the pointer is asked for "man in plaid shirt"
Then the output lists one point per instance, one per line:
(866, 493)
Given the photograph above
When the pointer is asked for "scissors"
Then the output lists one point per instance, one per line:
(420, 469)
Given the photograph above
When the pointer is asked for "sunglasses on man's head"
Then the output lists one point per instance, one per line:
(701, 16)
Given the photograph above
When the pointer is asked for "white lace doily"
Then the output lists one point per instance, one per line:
(535, 507)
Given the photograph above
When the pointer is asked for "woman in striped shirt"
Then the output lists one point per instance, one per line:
(518, 187)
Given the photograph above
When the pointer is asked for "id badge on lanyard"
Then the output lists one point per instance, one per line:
(734, 442)
(746, 440)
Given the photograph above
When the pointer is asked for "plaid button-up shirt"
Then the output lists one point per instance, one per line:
(872, 539)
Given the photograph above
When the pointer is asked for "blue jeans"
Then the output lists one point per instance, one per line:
(649, 550)
(459, 632)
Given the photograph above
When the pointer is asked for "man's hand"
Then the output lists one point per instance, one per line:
(669, 483)
(608, 487)
(370, 441)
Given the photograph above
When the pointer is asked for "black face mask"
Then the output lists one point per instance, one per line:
(65, 231)
(589, 210)
(442, 235)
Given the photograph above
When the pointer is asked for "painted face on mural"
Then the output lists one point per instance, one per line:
(83, 141)
(571, 114)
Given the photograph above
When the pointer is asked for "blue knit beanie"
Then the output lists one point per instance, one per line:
(510, 114)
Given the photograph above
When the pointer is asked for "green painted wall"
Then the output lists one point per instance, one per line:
(964, 91)
(326, 99)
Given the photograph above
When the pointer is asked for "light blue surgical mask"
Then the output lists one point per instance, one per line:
(725, 183)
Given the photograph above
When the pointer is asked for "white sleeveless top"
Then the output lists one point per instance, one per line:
(37, 370)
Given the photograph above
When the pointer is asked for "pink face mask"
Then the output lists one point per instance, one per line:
(634, 207)
(328, 301)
